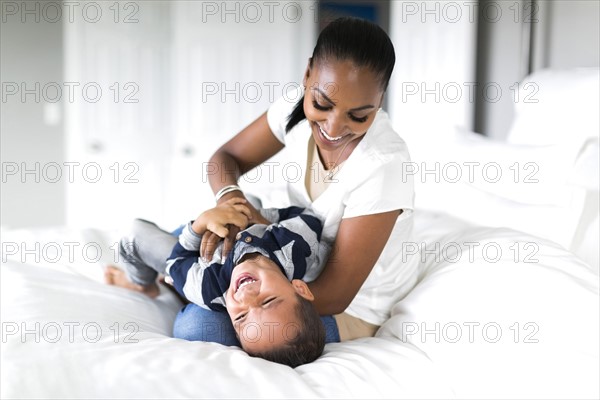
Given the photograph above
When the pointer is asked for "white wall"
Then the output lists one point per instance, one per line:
(31, 122)
(431, 87)
(573, 38)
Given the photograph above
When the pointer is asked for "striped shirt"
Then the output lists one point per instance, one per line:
(293, 242)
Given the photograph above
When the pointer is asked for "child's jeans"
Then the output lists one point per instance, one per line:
(199, 324)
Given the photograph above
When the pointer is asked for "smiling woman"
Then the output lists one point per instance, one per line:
(351, 160)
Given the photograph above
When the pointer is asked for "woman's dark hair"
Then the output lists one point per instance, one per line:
(307, 345)
(357, 40)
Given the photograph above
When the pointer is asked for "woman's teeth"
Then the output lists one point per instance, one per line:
(331, 139)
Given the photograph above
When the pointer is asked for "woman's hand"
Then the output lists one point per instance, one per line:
(218, 220)
(211, 239)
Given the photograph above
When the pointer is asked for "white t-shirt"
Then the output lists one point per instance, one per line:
(371, 182)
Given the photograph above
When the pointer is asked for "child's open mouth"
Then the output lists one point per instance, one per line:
(243, 280)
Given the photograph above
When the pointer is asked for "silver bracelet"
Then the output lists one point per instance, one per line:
(225, 190)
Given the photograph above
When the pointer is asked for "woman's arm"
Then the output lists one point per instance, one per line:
(254, 145)
(359, 243)
(219, 219)
(251, 147)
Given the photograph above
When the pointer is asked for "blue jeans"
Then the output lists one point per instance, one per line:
(199, 324)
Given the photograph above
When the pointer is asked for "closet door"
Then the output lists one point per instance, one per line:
(231, 60)
(176, 80)
(118, 143)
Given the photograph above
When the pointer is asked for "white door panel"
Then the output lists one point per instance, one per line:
(173, 88)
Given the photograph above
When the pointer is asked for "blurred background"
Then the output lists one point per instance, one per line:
(110, 109)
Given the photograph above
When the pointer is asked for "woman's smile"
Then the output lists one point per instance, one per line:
(330, 138)
(328, 142)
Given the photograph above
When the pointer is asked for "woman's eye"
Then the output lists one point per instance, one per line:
(320, 107)
(357, 119)
(327, 108)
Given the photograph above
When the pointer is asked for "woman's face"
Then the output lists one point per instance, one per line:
(340, 102)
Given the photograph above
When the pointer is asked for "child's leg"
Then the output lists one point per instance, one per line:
(144, 256)
(149, 246)
(117, 277)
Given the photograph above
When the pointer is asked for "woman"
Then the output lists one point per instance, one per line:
(353, 176)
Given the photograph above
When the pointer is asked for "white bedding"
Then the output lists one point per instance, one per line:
(497, 313)
(554, 301)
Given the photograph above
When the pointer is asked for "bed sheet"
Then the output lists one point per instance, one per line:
(510, 322)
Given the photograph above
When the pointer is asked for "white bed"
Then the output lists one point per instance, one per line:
(518, 320)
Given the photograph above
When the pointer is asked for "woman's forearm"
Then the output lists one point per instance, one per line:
(252, 146)
(357, 248)
(225, 170)
(222, 170)
(329, 301)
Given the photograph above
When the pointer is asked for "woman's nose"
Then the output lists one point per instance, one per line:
(334, 127)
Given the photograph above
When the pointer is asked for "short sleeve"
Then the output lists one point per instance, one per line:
(385, 189)
(280, 110)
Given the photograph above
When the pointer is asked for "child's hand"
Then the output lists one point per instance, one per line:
(210, 241)
(233, 211)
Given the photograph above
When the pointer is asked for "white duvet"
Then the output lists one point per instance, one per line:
(518, 319)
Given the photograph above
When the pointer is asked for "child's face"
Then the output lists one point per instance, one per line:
(261, 304)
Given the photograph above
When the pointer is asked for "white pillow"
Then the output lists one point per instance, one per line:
(585, 175)
(587, 166)
(523, 324)
(524, 173)
(586, 238)
(550, 208)
(557, 107)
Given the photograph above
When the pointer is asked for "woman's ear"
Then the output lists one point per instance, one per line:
(302, 289)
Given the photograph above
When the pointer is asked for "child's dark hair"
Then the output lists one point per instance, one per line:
(308, 344)
(357, 40)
